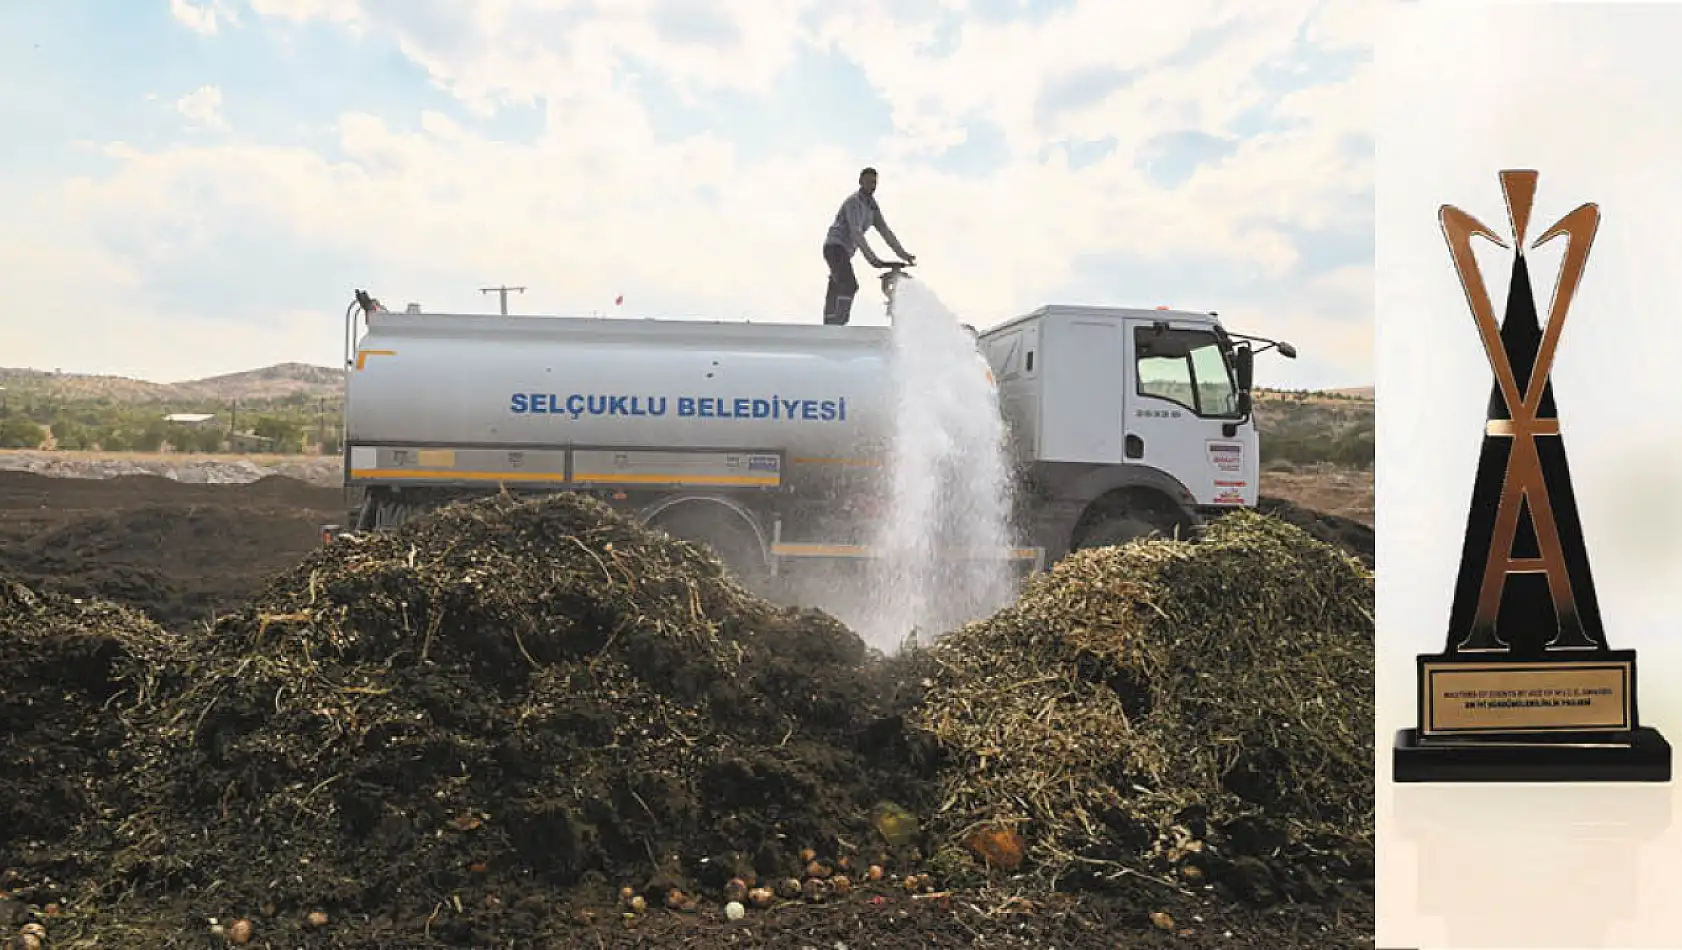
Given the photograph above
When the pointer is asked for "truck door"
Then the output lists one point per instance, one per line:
(1180, 398)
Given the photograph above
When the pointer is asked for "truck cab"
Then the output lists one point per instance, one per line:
(1125, 422)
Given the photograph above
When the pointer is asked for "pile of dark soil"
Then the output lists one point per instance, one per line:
(434, 731)
(177, 563)
(178, 552)
(23, 490)
(1201, 711)
(74, 671)
(1345, 533)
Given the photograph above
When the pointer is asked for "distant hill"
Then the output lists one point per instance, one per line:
(1352, 394)
(269, 383)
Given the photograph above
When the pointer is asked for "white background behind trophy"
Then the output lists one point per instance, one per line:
(1589, 95)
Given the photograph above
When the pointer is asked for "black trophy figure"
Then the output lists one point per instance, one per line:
(1526, 688)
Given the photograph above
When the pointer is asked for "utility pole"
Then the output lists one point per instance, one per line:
(503, 293)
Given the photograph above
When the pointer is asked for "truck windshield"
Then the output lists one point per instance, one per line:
(1187, 367)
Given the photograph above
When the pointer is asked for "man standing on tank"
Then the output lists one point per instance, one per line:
(858, 214)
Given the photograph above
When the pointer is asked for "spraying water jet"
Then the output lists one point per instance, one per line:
(949, 484)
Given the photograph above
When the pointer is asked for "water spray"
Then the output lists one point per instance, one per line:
(948, 481)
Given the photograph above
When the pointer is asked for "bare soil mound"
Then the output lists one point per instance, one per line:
(73, 670)
(1351, 536)
(29, 490)
(177, 552)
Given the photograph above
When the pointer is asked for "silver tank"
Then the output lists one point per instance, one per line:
(493, 381)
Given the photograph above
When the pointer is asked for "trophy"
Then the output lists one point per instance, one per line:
(1527, 689)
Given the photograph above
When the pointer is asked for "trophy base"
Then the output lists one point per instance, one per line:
(1643, 757)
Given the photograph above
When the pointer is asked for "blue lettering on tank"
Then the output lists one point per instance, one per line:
(775, 407)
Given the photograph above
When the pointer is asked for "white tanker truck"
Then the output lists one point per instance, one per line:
(765, 441)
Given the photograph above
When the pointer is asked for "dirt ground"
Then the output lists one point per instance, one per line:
(177, 551)
(182, 552)
(1346, 493)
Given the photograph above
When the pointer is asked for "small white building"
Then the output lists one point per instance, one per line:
(190, 418)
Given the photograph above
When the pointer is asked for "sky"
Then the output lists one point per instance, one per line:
(1583, 94)
(198, 186)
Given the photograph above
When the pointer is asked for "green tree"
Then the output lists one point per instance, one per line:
(152, 437)
(17, 432)
(208, 438)
(285, 435)
(1355, 448)
(114, 438)
(73, 436)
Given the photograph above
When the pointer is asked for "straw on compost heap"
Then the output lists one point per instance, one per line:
(74, 671)
(442, 728)
(1163, 706)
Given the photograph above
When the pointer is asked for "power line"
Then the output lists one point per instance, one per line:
(503, 293)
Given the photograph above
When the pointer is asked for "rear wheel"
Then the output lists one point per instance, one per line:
(723, 533)
(383, 511)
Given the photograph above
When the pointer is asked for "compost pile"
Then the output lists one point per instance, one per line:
(1346, 533)
(440, 729)
(1197, 710)
(74, 672)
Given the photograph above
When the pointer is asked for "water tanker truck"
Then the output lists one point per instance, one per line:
(768, 442)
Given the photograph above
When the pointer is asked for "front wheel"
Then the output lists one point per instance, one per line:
(1119, 530)
(1132, 521)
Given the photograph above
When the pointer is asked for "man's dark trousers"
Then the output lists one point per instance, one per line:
(843, 285)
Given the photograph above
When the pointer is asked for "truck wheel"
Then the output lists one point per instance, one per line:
(723, 534)
(1129, 526)
(1116, 531)
(397, 514)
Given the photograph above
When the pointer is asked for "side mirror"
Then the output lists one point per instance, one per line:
(1244, 404)
(1244, 364)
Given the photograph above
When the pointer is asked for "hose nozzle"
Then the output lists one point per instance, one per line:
(891, 277)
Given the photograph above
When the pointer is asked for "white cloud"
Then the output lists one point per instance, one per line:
(204, 17)
(599, 203)
(203, 106)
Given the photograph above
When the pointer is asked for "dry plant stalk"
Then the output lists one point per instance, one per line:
(1130, 686)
